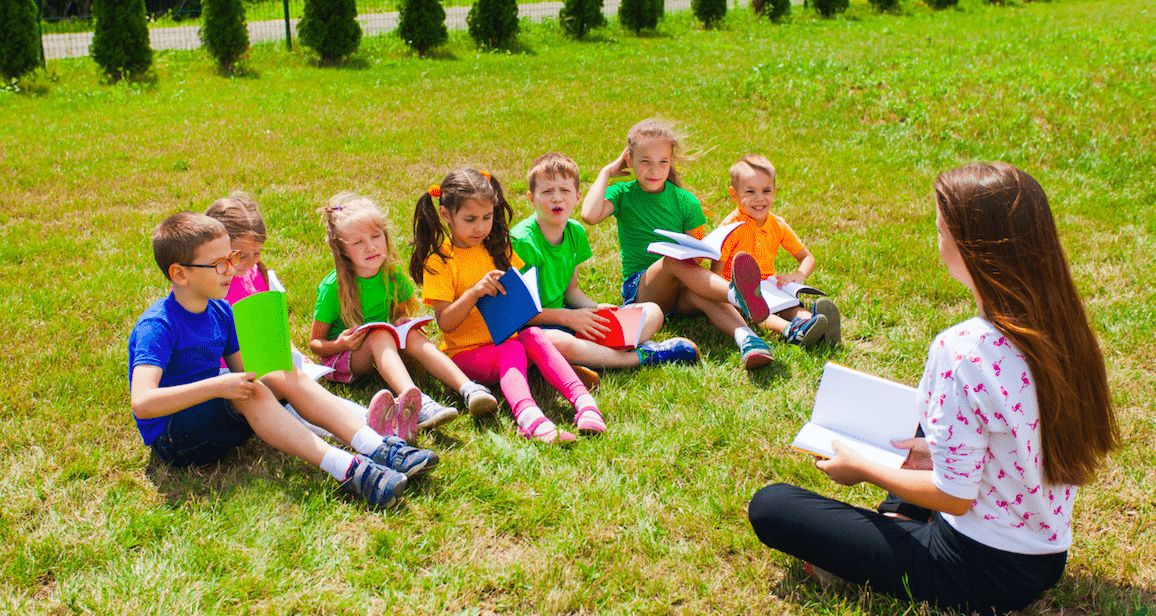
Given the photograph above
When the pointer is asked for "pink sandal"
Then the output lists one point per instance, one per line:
(548, 435)
(382, 414)
(408, 409)
(589, 421)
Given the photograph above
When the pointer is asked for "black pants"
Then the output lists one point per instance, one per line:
(926, 561)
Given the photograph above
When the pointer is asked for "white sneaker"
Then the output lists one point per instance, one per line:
(479, 399)
(433, 414)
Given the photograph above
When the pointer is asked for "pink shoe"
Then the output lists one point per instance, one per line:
(544, 431)
(408, 409)
(589, 421)
(382, 414)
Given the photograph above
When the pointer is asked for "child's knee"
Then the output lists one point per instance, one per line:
(379, 338)
(652, 314)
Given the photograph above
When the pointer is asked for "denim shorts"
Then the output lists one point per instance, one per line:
(630, 288)
(202, 434)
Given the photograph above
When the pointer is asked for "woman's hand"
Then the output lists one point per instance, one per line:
(351, 339)
(588, 323)
(619, 167)
(918, 455)
(489, 284)
(845, 467)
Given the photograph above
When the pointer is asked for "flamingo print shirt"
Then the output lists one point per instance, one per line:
(980, 417)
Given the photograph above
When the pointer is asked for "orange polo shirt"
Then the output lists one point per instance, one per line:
(761, 241)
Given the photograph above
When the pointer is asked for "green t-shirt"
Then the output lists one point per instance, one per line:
(556, 264)
(640, 213)
(378, 295)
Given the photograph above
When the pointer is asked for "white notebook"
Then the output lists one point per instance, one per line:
(862, 411)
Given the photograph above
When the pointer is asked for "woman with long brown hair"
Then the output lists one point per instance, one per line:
(1015, 413)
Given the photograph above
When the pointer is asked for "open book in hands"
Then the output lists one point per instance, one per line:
(506, 314)
(625, 328)
(399, 331)
(687, 247)
(861, 411)
(787, 296)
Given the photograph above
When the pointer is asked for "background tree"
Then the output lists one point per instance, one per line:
(493, 23)
(330, 28)
(579, 17)
(941, 4)
(639, 15)
(775, 9)
(828, 8)
(885, 6)
(422, 25)
(120, 38)
(709, 12)
(223, 32)
(19, 43)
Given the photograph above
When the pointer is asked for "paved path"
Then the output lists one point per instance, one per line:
(75, 45)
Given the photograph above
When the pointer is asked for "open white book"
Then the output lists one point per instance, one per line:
(861, 411)
(399, 332)
(787, 296)
(687, 247)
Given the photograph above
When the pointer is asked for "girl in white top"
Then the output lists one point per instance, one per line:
(1015, 413)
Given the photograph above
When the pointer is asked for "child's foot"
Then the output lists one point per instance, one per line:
(479, 399)
(395, 454)
(377, 484)
(408, 409)
(433, 414)
(536, 427)
(590, 379)
(806, 332)
(672, 351)
(756, 353)
(745, 280)
(827, 308)
(589, 421)
(382, 416)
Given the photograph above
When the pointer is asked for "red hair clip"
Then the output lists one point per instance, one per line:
(435, 191)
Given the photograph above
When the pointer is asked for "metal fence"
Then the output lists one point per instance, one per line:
(174, 24)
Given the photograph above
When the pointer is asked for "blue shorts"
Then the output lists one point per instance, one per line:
(202, 434)
(630, 288)
(561, 328)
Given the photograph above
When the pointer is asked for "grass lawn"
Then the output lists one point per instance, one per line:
(859, 114)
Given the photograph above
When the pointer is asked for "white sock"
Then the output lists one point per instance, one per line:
(741, 334)
(366, 441)
(529, 415)
(732, 298)
(336, 462)
(468, 385)
(584, 401)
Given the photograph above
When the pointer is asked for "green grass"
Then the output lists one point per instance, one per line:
(859, 114)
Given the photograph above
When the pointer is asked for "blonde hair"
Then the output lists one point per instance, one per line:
(345, 211)
(748, 166)
(652, 128)
(239, 213)
(553, 165)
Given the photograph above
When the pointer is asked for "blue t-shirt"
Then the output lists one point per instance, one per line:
(187, 347)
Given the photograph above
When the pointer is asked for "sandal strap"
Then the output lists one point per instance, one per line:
(531, 431)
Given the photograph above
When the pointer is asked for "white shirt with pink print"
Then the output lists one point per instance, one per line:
(981, 419)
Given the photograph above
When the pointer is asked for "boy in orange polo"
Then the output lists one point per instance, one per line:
(761, 235)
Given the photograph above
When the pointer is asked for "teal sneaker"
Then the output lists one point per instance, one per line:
(827, 308)
(745, 281)
(756, 353)
(396, 454)
(672, 351)
(806, 332)
(378, 485)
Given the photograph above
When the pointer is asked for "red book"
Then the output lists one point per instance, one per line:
(625, 328)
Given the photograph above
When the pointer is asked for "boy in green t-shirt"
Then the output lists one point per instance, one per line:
(556, 245)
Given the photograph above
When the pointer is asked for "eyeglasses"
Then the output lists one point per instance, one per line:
(221, 265)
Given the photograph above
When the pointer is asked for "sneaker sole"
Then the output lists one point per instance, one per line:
(816, 333)
(755, 361)
(827, 308)
(421, 469)
(746, 277)
(380, 417)
(482, 406)
(408, 408)
(440, 419)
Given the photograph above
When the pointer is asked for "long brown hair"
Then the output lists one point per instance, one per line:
(651, 128)
(345, 211)
(241, 217)
(1000, 219)
(459, 186)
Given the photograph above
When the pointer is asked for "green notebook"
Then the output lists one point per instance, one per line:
(263, 332)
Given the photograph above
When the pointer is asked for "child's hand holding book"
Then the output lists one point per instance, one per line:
(236, 385)
(588, 322)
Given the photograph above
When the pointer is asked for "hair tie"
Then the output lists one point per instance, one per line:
(335, 208)
(435, 191)
(485, 174)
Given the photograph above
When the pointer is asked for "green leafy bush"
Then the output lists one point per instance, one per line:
(422, 25)
(223, 32)
(493, 23)
(941, 4)
(828, 8)
(775, 9)
(639, 15)
(885, 6)
(19, 43)
(709, 12)
(579, 17)
(330, 28)
(120, 38)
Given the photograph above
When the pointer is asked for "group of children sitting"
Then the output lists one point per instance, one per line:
(193, 402)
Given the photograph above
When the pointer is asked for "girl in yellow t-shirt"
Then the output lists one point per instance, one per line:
(461, 249)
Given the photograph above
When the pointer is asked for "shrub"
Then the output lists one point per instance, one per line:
(828, 8)
(775, 9)
(941, 4)
(885, 6)
(579, 17)
(709, 12)
(19, 43)
(639, 15)
(330, 28)
(493, 23)
(422, 25)
(224, 33)
(120, 38)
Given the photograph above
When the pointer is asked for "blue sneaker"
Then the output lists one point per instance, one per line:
(398, 455)
(672, 351)
(827, 308)
(806, 332)
(378, 485)
(756, 353)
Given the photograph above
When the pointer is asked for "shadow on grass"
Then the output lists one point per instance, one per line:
(252, 461)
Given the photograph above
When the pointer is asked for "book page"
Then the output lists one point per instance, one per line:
(530, 279)
(402, 331)
(777, 299)
(816, 439)
(874, 410)
(680, 252)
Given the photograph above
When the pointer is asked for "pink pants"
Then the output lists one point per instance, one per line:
(506, 364)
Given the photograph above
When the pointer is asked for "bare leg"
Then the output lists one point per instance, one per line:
(667, 274)
(589, 353)
(430, 357)
(653, 318)
(380, 350)
(723, 316)
(274, 425)
(316, 404)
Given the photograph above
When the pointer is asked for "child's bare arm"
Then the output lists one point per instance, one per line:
(595, 207)
(451, 315)
(806, 266)
(320, 343)
(575, 297)
(150, 400)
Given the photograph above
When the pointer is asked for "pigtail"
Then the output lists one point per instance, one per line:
(428, 236)
(497, 243)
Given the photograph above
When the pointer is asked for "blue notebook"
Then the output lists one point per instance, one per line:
(506, 314)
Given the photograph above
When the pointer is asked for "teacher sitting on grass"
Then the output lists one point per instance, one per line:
(1015, 413)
